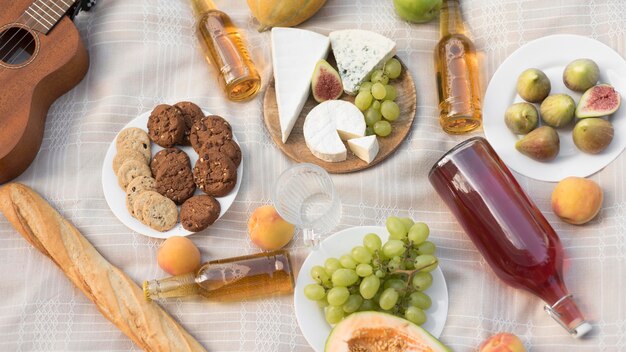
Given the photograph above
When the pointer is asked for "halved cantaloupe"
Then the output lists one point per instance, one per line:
(380, 332)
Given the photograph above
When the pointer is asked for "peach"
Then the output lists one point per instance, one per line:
(502, 342)
(178, 255)
(268, 230)
(576, 200)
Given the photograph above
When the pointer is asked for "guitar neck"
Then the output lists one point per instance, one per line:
(42, 15)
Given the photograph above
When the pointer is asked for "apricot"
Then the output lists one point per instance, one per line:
(178, 255)
(268, 230)
(502, 342)
(576, 200)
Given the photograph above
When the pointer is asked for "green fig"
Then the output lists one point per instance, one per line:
(521, 118)
(581, 74)
(593, 135)
(533, 85)
(557, 110)
(540, 144)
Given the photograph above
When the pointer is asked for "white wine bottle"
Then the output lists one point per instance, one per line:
(252, 276)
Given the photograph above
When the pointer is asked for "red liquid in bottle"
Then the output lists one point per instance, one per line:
(507, 228)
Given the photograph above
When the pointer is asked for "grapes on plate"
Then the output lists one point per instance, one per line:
(390, 276)
(382, 128)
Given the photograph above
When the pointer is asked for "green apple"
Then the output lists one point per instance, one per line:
(417, 11)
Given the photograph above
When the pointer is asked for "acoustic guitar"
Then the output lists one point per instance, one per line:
(41, 58)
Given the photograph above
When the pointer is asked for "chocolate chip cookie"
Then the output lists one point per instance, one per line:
(126, 154)
(198, 212)
(131, 169)
(160, 213)
(137, 186)
(191, 113)
(175, 180)
(210, 131)
(229, 148)
(215, 175)
(169, 156)
(166, 126)
(140, 202)
(134, 138)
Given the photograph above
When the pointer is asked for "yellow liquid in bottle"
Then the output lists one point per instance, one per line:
(226, 51)
(457, 74)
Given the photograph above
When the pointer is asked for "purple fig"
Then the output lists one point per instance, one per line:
(593, 135)
(540, 144)
(580, 75)
(600, 100)
(326, 83)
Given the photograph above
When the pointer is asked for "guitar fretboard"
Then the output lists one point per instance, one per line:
(42, 15)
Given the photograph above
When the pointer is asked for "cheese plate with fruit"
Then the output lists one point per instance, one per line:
(317, 107)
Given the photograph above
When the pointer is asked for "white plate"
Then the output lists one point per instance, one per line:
(311, 317)
(116, 196)
(551, 54)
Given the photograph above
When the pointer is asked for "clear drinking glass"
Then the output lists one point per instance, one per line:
(507, 228)
(305, 196)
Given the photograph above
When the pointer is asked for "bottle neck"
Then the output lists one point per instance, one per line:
(200, 7)
(562, 307)
(450, 18)
(175, 286)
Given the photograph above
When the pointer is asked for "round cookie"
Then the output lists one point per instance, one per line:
(129, 170)
(168, 156)
(135, 139)
(191, 113)
(210, 131)
(175, 181)
(160, 213)
(126, 154)
(229, 148)
(166, 126)
(140, 202)
(137, 186)
(215, 175)
(198, 212)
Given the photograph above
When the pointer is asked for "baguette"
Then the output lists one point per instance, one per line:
(117, 297)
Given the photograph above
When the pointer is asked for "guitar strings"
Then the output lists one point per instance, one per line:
(29, 23)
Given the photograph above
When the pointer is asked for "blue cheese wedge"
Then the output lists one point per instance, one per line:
(365, 148)
(358, 53)
(294, 55)
(328, 124)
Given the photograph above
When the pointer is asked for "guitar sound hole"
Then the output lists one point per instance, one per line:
(17, 46)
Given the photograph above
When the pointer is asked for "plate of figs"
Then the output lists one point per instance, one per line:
(553, 108)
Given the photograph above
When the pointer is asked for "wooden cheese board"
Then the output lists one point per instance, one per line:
(296, 149)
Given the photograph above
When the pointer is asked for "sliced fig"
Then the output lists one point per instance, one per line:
(540, 144)
(600, 100)
(326, 83)
(593, 135)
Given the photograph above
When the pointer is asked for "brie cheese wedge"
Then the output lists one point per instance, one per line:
(327, 124)
(358, 53)
(294, 55)
(365, 148)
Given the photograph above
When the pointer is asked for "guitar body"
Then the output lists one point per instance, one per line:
(58, 63)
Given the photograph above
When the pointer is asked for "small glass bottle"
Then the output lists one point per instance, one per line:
(233, 279)
(225, 49)
(458, 78)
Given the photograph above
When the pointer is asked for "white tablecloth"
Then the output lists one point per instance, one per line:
(144, 53)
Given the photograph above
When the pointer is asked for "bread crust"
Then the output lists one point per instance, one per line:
(116, 296)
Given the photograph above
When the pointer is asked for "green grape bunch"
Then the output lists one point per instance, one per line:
(376, 99)
(390, 277)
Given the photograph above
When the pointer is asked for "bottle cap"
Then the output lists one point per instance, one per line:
(578, 331)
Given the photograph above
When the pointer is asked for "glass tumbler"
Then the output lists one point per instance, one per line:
(305, 196)
(507, 228)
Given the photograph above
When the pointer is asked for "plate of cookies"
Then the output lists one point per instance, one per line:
(172, 171)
